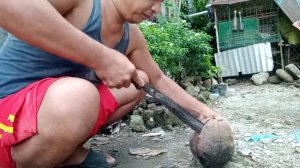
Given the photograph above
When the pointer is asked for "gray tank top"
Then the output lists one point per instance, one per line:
(22, 63)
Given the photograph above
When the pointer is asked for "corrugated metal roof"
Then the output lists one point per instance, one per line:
(245, 60)
(228, 2)
(291, 8)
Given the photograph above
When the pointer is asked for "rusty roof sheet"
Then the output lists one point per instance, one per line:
(226, 2)
(291, 8)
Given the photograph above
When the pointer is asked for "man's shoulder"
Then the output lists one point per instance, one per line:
(65, 6)
(134, 29)
(137, 39)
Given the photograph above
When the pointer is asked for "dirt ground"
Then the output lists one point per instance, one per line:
(266, 124)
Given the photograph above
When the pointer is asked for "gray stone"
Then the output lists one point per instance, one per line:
(193, 90)
(101, 139)
(166, 119)
(297, 149)
(150, 123)
(268, 152)
(168, 165)
(274, 79)
(143, 104)
(209, 82)
(186, 84)
(151, 106)
(204, 96)
(277, 126)
(282, 74)
(231, 81)
(159, 110)
(147, 114)
(136, 112)
(136, 123)
(257, 80)
(234, 165)
(266, 140)
(173, 120)
(278, 141)
(241, 144)
(202, 88)
(260, 78)
(293, 70)
(264, 75)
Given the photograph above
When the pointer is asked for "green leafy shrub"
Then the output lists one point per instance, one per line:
(178, 50)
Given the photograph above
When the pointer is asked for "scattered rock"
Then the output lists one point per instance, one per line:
(139, 151)
(155, 152)
(274, 79)
(267, 140)
(241, 144)
(143, 104)
(268, 152)
(136, 123)
(209, 82)
(147, 114)
(193, 90)
(101, 139)
(186, 82)
(260, 78)
(136, 112)
(277, 126)
(245, 152)
(231, 81)
(287, 122)
(155, 132)
(146, 151)
(150, 124)
(152, 106)
(264, 75)
(297, 149)
(278, 141)
(214, 96)
(282, 74)
(168, 165)
(293, 70)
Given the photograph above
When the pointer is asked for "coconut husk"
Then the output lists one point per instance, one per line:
(214, 145)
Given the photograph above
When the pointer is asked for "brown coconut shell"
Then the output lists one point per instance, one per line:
(214, 145)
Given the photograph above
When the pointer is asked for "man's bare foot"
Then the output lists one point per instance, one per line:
(111, 161)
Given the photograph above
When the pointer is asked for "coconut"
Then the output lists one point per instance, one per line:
(214, 145)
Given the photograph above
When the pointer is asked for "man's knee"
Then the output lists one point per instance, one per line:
(65, 119)
(71, 102)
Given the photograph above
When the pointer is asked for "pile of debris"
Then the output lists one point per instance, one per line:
(151, 114)
(289, 75)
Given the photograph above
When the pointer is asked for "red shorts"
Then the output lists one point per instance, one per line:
(18, 115)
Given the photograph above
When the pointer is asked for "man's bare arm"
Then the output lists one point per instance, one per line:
(38, 23)
(142, 59)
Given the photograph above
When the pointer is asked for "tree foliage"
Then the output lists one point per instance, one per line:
(201, 23)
